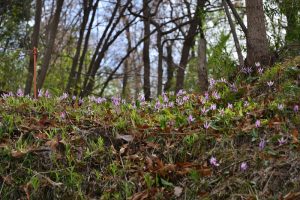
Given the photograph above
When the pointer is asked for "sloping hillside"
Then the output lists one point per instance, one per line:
(238, 141)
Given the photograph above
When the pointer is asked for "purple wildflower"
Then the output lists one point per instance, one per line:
(216, 95)
(206, 125)
(229, 106)
(40, 93)
(280, 106)
(213, 161)
(191, 119)
(212, 82)
(260, 70)
(246, 104)
(62, 115)
(20, 93)
(141, 98)
(244, 166)
(204, 110)
(206, 95)
(98, 100)
(257, 64)
(270, 83)
(116, 101)
(165, 98)
(213, 107)
(73, 97)
(282, 141)
(262, 144)
(47, 94)
(63, 96)
(296, 108)
(158, 105)
(222, 112)
(80, 101)
(171, 104)
(257, 124)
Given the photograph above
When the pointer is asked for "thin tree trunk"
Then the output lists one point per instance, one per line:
(257, 43)
(107, 43)
(160, 63)
(234, 35)
(34, 43)
(170, 69)
(202, 70)
(86, 12)
(50, 44)
(237, 17)
(146, 57)
(127, 62)
(85, 47)
(187, 45)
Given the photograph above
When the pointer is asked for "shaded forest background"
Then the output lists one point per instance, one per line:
(128, 47)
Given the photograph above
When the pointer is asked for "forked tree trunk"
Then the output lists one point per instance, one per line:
(234, 35)
(87, 5)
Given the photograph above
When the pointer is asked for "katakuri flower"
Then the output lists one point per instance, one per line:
(191, 119)
(262, 144)
(20, 93)
(213, 161)
(280, 106)
(257, 124)
(270, 83)
(206, 125)
(244, 166)
(282, 141)
(296, 108)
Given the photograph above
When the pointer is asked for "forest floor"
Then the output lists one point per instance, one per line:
(239, 141)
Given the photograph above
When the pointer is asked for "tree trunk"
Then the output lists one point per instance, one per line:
(234, 35)
(127, 63)
(170, 68)
(85, 48)
(146, 58)
(160, 63)
(34, 43)
(50, 44)
(202, 70)
(187, 45)
(257, 43)
(86, 12)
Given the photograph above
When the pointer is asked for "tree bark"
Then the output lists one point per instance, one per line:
(202, 70)
(160, 62)
(34, 43)
(50, 44)
(170, 69)
(257, 43)
(85, 48)
(127, 62)
(87, 5)
(234, 35)
(187, 45)
(146, 57)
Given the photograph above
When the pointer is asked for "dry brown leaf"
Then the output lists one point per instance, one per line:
(292, 196)
(295, 135)
(178, 191)
(127, 138)
(18, 154)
